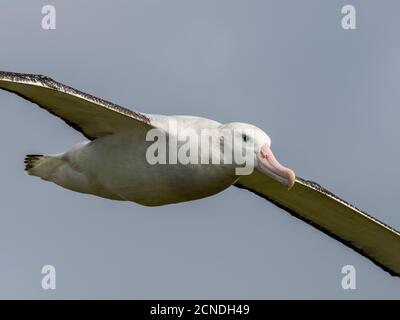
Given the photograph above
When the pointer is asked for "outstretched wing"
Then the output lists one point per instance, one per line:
(317, 206)
(92, 116)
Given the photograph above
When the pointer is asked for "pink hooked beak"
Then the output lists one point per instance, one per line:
(268, 165)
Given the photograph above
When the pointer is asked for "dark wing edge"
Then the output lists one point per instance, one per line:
(49, 83)
(317, 187)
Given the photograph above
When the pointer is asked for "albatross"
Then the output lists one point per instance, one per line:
(112, 164)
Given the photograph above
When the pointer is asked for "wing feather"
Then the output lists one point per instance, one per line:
(92, 116)
(325, 211)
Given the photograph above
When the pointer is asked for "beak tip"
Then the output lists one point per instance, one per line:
(291, 179)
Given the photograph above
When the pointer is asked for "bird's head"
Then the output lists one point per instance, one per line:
(246, 140)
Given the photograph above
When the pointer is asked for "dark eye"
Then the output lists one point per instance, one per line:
(245, 138)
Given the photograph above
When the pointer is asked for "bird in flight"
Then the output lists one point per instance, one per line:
(112, 163)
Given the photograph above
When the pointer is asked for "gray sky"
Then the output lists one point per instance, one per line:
(329, 99)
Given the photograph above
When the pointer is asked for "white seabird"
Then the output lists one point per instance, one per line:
(112, 164)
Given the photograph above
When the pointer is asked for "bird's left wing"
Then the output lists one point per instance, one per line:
(92, 116)
(319, 207)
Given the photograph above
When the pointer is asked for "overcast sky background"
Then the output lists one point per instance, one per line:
(329, 99)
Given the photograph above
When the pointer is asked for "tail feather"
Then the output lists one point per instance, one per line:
(56, 168)
(31, 160)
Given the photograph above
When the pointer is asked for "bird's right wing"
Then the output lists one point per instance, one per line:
(320, 208)
(92, 116)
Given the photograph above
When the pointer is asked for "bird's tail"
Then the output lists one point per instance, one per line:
(41, 166)
(31, 161)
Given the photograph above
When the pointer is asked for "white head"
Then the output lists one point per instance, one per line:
(255, 143)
